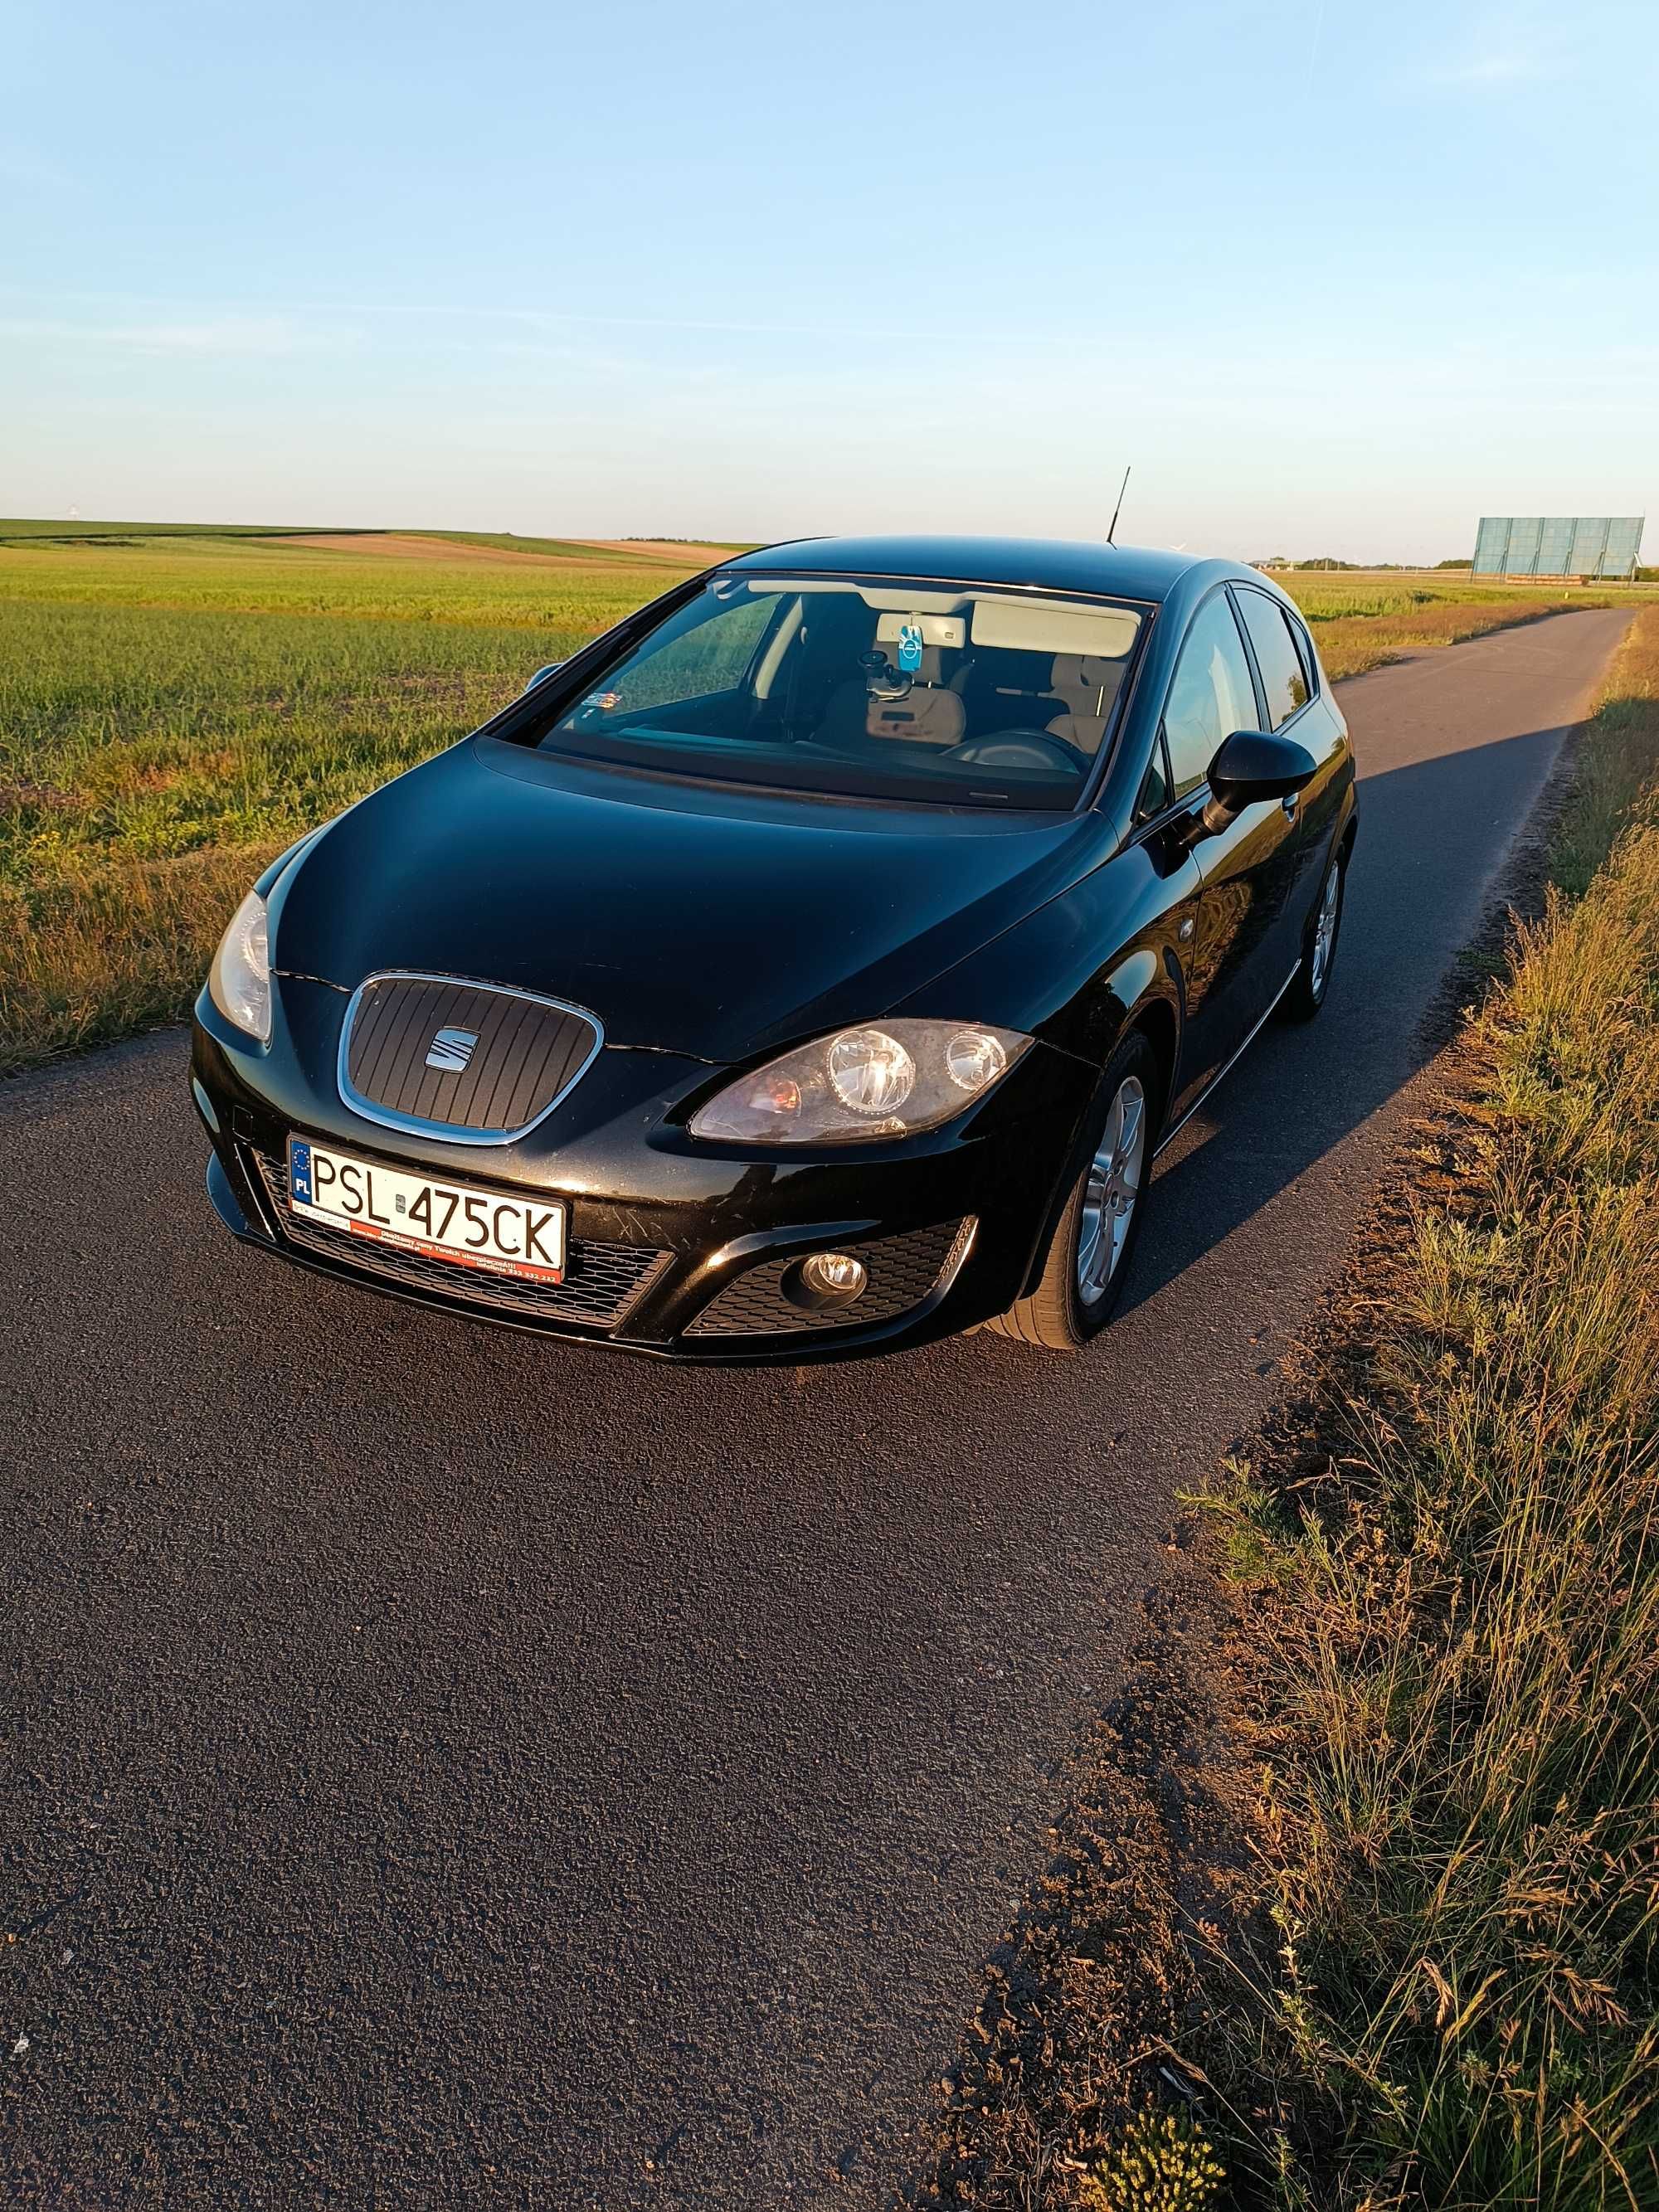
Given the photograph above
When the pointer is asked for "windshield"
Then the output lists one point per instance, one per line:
(883, 690)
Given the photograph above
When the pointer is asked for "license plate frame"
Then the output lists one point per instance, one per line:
(524, 1236)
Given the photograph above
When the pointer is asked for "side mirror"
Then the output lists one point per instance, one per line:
(1248, 766)
(541, 674)
(1251, 765)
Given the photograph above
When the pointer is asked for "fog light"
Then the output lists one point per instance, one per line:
(826, 1278)
(837, 1274)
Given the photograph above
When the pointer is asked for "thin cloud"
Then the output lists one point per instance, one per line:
(552, 320)
(1511, 65)
(19, 166)
(1503, 47)
(215, 337)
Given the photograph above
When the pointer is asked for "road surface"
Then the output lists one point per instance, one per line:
(443, 1768)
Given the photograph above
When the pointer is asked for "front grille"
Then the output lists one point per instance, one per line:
(516, 1056)
(601, 1281)
(902, 1271)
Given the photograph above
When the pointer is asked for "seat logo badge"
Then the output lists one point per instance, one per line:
(451, 1049)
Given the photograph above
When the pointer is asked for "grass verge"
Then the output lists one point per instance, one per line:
(1352, 644)
(1450, 1565)
(1421, 1967)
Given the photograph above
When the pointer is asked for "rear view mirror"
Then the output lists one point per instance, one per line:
(541, 674)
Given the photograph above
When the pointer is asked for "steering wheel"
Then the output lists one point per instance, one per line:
(1016, 749)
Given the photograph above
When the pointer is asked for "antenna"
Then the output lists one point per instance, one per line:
(1118, 509)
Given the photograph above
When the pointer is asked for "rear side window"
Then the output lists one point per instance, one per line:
(1210, 696)
(1284, 678)
(1305, 648)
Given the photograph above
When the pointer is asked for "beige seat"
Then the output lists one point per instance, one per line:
(1089, 686)
(930, 714)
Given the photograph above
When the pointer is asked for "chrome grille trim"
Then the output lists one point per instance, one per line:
(454, 1133)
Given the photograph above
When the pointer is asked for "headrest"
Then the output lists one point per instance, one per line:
(1086, 676)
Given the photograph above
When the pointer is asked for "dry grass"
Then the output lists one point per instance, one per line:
(1356, 1895)
(1349, 645)
(1363, 619)
(1459, 1631)
(116, 950)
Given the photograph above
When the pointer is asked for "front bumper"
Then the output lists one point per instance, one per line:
(678, 1248)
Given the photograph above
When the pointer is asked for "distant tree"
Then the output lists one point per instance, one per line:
(1457, 563)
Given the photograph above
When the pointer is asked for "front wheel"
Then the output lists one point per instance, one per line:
(1306, 994)
(1088, 1258)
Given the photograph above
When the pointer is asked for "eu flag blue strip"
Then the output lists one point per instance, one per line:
(299, 1171)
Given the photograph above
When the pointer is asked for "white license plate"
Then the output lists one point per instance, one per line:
(522, 1237)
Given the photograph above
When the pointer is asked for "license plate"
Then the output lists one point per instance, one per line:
(522, 1236)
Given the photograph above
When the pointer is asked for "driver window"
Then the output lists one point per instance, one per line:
(1211, 696)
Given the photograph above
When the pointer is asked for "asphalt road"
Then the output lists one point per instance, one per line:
(447, 1768)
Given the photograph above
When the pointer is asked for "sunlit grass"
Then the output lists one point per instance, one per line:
(216, 575)
(1360, 623)
(1460, 1645)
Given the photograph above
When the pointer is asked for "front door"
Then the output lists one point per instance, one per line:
(1236, 963)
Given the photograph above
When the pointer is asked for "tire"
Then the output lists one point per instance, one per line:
(1312, 979)
(1082, 1278)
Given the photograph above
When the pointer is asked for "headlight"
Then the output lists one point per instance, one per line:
(886, 1081)
(239, 981)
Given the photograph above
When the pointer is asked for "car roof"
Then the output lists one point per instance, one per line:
(1056, 564)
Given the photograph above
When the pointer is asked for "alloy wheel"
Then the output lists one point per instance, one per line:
(1324, 943)
(1111, 1190)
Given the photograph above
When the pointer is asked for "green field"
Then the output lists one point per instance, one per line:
(77, 532)
(177, 702)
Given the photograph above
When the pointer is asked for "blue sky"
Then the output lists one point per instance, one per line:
(1333, 276)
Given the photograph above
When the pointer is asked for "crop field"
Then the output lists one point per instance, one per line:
(177, 703)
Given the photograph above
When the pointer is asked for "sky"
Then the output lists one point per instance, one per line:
(1333, 276)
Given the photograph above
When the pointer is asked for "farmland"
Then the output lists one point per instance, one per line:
(177, 704)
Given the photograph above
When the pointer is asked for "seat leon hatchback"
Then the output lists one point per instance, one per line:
(812, 965)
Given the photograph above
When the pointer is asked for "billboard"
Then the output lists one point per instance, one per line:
(1558, 545)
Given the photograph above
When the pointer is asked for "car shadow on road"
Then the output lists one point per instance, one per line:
(1301, 1091)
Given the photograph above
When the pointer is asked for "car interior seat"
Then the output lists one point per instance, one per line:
(1003, 689)
(1088, 685)
(929, 713)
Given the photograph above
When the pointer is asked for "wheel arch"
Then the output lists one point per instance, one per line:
(1155, 1017)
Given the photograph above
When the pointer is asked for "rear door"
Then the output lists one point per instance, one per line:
(1236, 963)
(1285, 665)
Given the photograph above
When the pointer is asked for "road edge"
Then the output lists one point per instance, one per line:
(1108, 1964)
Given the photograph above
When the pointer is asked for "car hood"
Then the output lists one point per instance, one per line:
(708, 922)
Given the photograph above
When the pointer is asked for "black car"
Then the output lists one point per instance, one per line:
(812, 965)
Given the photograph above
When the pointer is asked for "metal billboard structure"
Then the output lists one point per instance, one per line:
(1607, 546)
